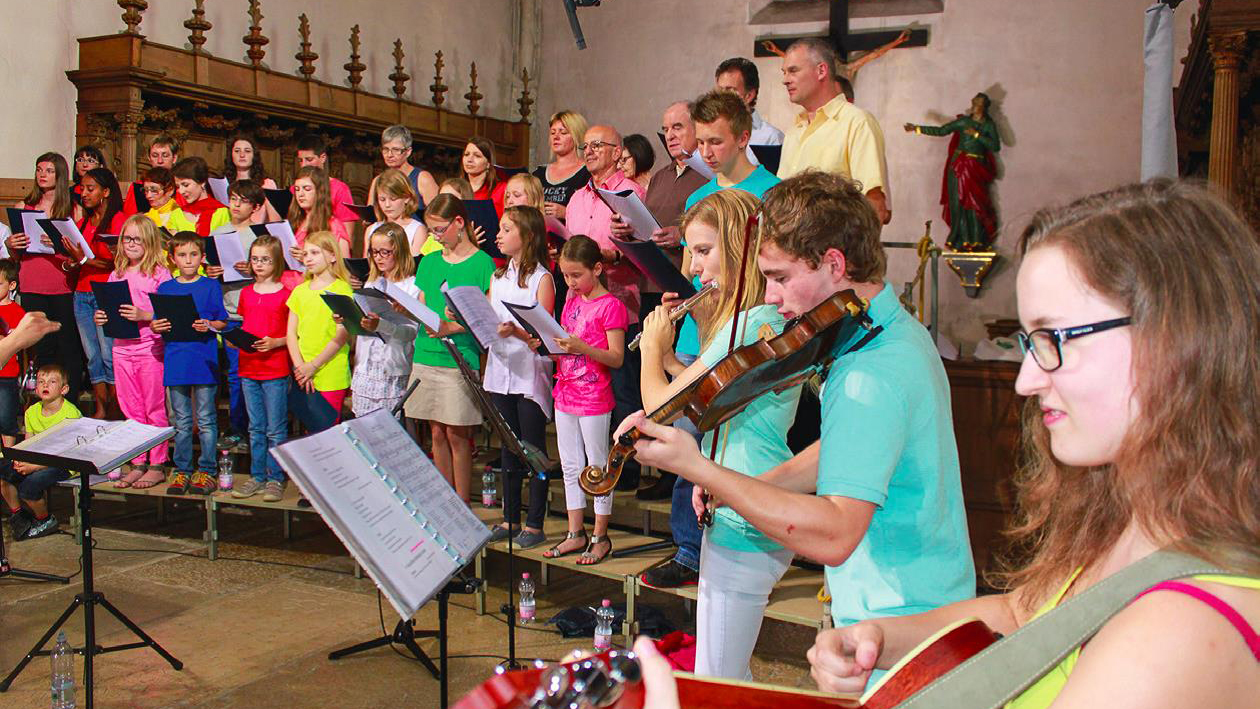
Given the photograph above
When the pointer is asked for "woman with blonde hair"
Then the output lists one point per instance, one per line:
(1142, 432)
(738, 564)
(566, 173)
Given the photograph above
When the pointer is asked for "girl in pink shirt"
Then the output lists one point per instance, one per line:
(596, 322)
(312, 210)
(141, 262)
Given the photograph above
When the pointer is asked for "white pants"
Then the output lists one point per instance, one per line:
(734, 590)
(583, 441)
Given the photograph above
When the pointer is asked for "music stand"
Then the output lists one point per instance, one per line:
(526, 453)
(89, 598)
(8, 571)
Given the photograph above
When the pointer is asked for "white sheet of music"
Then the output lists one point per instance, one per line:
(421, 312)
(697, 163)
(284, 232)
(70, 230)
(538, 322)
(365, 478)
(230, 244)
(477, 312)
(219, 189)
(33, 231)
(633, 212)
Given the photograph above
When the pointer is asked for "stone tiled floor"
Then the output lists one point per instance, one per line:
(258, 634)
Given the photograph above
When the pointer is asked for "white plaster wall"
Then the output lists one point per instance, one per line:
(1065, 77)
(33, 61)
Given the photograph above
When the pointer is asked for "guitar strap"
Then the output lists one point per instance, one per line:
(1006, 668)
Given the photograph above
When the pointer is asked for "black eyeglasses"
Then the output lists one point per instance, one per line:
(1046, 344)
(596, 145)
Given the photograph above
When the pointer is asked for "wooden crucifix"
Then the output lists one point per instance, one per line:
(875, 44)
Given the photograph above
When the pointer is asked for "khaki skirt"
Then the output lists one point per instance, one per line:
(442, 396)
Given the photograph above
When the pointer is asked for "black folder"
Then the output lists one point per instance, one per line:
(243, 340)
(181, 310)
(311, 409)
(142, 200)
(350, 312)
(212, 252)
(769, 156)
(280, 200)
(110, 296)
(365, 211)
(481, 213)
(55, 236)
(654, 264)
(359, 268)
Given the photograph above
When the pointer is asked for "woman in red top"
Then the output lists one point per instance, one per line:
(103, 214)
(46, 280)
(479, 170)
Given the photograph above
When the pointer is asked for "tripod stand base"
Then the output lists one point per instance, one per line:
(91, 648)
(404, 634)
(7, 571)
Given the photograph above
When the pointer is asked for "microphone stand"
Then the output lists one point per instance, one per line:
(535, 459)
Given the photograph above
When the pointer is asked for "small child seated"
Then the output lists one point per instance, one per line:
(26, 483)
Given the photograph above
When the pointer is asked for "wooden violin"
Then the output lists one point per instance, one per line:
(613, 680)
(768, 365)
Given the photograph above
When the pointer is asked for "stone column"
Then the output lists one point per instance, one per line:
(1227, 52)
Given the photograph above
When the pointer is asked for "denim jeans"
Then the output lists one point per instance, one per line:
(268, 403)
(34, 485)
(98, 348)
(682, 518)
(184, 400)
(238, 417)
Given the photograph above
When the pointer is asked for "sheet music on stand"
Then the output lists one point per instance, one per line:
(104, 444)
(388, 504)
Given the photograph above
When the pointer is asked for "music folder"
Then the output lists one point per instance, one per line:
(240, 339)
(768, 156)
(288, 241)
(219, 189)
(87, 445)
(388, 504)
(279, 199)
(350, 312)
(365, 211)
(481, 213)
(541, 325)
(110, 296)
(141, 199)
(22, 221)
(359, 268)
(653, 263)
(181, 310)
(473, 310)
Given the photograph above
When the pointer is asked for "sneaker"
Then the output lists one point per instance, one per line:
(40, 528)
(274, 491)
(179, 484)
(229, 441)
(202, 484)
(671, 574)
(528, 540)
(249, 488)
(21, 521)
(498, 532)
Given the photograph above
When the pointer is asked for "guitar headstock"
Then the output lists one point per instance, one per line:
(608, 681)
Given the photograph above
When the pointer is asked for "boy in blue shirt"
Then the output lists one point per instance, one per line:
(878, 498)
(191, 367)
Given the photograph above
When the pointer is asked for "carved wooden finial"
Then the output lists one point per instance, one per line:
(132, 14)
(198, 25)
(473, 95)
(306, 56)
(525, 101)
(354, 66)
(399, 77)
(255, 39)
(437, 87)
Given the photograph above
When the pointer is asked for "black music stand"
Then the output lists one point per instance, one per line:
(7, 570)
(89, 598)
(526, 453)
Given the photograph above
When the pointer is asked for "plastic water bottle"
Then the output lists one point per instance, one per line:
(525, 612)
(488, 488)
(62, 673)
(225, 469)
(604, 625)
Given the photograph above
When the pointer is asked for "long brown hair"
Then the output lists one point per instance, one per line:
(727, 212)
(62, 205)
(257, 172)
(321, 212)
(1188, 470)
(529, 222)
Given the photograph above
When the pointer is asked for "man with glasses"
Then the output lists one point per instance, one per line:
(396, 151)
(878, 498)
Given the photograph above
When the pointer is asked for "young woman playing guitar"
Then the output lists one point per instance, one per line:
(1141, 309)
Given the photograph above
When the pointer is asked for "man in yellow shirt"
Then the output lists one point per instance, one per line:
(831, 134)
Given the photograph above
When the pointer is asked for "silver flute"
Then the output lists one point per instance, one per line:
(678, 311)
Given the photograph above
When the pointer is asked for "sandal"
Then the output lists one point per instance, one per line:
(555, 552)
(129, 478)
(588, 557)
(153, 475)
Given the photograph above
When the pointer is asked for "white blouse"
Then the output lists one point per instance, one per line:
(411, 230)
(511, 366)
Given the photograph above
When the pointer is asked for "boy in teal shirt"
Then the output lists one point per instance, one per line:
(26, 483)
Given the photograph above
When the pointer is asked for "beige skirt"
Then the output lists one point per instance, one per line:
(442, 396)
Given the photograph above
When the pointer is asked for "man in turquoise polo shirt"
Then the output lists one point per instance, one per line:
(879, 498)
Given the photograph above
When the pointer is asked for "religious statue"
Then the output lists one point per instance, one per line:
(969, 170)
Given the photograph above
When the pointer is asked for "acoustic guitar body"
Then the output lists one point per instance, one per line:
(613, 681)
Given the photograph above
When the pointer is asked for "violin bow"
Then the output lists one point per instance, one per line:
(737, 332)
